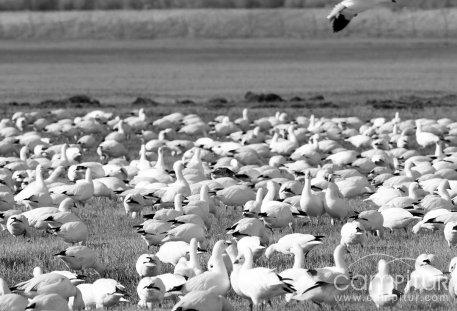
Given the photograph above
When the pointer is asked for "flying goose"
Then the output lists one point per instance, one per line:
(346, 10)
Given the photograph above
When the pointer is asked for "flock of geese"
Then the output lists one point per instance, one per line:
(276, 174)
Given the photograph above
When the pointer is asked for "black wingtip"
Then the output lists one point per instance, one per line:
(340, 22)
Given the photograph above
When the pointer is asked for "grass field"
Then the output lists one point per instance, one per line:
(346, 72)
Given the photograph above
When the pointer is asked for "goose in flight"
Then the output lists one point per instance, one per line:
(346, 10)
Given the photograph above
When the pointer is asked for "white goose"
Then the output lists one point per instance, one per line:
(48, 302)
(148, 265)
(346, 10)
(189, 268)
(322, 285)
(425, 276)
(297, 271)
(382, 287)
(80, 258)
(103, 293)
(260, 284)
(203, 300)
(80, 192)
(72, 232)
(9, 301)
(217, 279)
(18, 225)
(36, 194)
(313, 205)
(336, 207)
(284, 245)
(450, 233)
(48, 283)
(150, 290)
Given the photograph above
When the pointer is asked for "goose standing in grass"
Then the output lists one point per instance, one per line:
(346, 10)
(134, 204)
(260, 284)
(284, 245)
(151, 290)
(313, 205)
(336, 207)
(450, 233)
(398, 218)
(372, 221)
(73, 232)
(382, 287)
(80, 258)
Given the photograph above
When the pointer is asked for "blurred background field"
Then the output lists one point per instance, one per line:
(64, 5)
(223, 24)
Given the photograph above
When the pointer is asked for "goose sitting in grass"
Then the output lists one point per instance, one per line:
(217, 279)
(425, 276)
(352, 233)
(148, 265)
(80, 192)
(35, 194)
(189, 268)
(74, 278)
(18, 225)
(171, 252)
(48, 302)
(203, 300)
(297, 271)
(103, 293)
(36, 217)
(249, 227)
(323, 285)
(48, 283)
(151, 290)
(9, 301)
